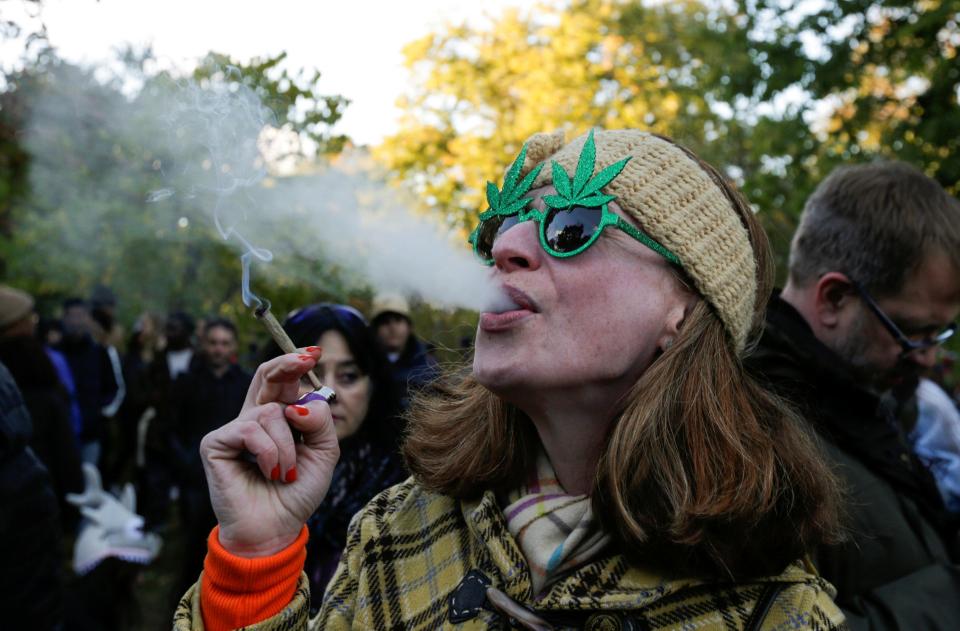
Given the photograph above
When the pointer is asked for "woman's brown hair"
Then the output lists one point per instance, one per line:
(704, 471)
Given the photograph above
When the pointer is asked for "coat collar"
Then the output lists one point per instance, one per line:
(607, 583)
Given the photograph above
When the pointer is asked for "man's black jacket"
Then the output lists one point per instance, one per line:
(200, 403)
(898, 568)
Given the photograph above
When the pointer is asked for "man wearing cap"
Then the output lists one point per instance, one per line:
(45, 398)
(873, 289)
(411, 364)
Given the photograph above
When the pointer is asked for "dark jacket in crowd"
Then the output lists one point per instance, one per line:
(52, 439)
(96, 385)
(414, 368)
(200, 402)
(31, 588)
(154, 391)
(898, 568)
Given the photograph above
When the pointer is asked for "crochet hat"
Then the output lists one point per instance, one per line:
(14, 305)
(678, 204)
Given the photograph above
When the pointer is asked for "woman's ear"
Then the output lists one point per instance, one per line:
(673, 323)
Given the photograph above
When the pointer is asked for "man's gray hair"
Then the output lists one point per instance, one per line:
(875, 223)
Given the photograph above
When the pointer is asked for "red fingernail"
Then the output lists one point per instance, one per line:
(275, 473)
(305, 357)
(313, 349)
(299, 409)
(291, 475)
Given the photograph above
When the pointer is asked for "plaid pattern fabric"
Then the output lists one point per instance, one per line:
(408, 550)
(555, 531)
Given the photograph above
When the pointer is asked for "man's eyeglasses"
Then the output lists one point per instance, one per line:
(908, 345)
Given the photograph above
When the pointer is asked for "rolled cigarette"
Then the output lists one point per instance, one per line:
(283, 340)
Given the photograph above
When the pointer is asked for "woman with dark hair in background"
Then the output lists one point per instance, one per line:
(364, 415)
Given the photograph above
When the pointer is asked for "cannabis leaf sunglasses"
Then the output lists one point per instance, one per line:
(574, 218)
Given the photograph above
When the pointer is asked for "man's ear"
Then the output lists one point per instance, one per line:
(832, 295)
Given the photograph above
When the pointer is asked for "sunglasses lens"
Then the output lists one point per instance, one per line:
(570, 230)
(490, 230)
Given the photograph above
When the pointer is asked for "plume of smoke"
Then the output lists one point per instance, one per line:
(213, 136)
(340, 214)
(337, 215)
(207, 148)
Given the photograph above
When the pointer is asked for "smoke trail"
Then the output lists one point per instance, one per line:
(198, 155)
(220, 125)
(340, 215)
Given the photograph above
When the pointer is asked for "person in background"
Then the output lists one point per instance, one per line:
(103, 310)
(137, 409)
(46, 400)
(92, 373)
(177, 353)
(209, 394)
(873, 290)
(50, 331)
(173, 359)
(31, 537)
(108, 333)
(606, 464)
(936, 436)
(411, 364)
(50, 334)
(364, 415)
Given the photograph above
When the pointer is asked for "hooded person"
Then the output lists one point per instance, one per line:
(411, 365)
(605, 463)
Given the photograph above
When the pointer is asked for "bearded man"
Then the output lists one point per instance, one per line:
(873, 290)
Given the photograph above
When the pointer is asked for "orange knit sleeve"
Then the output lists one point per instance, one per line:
(238, 591)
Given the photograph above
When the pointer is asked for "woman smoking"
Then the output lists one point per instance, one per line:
(605, 464)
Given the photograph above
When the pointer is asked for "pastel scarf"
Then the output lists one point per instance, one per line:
(555, 531)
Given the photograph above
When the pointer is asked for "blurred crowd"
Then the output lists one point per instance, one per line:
(105, 457)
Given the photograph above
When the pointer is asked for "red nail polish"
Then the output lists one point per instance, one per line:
(275, 473)
(305, 357)
(291, 475)
(313, 349)
(299, 409)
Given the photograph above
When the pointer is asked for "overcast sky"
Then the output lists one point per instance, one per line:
(356, 44)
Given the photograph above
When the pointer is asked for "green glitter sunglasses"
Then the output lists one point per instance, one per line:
(575, 217)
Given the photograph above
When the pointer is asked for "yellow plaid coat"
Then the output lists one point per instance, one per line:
(409, 550)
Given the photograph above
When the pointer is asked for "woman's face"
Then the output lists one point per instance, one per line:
(595, 319)
(338, 369)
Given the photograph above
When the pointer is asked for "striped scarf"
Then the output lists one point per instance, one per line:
(555, 531)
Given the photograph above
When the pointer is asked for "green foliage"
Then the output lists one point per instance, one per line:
(739, 83)
(292, 97)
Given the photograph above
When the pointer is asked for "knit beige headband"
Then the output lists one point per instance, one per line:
(677, 203)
